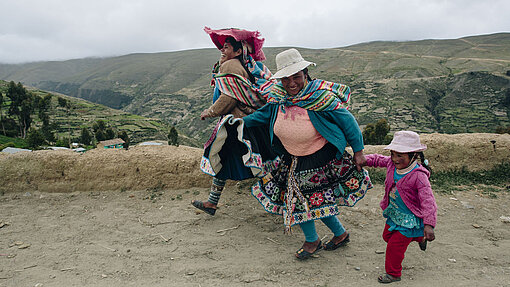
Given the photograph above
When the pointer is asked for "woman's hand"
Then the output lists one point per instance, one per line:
(359, 160)
(204, 114)
(428, 232)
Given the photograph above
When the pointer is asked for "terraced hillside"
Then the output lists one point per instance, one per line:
(447, 86)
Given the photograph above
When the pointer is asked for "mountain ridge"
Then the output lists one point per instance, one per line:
(428, 85)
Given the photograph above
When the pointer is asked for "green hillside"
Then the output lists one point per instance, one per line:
(82, 114)
(448, 86)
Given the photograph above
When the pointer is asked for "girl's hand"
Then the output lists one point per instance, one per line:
(359, 160)
(428, 232)
(204, 114)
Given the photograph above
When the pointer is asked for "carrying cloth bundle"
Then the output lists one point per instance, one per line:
(240, 88)
(318, 95)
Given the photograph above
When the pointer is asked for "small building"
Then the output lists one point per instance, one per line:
(114, 143)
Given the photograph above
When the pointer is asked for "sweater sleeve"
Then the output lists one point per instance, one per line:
(349, 126)
(223, 105)
(260, 117)
(377, 160)
(427, 200)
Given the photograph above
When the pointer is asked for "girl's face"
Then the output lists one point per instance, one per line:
(401, 160)
(294, 84)
(227, 52)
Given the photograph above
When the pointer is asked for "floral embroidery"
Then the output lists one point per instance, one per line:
(315, 178)
(316, 199)
(269, 188)
(328, 194)
(353, 183)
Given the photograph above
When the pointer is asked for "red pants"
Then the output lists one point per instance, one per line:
(395, 250)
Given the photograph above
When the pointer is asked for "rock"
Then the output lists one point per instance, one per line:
(24, 246)
(452, 260)
(467, 205)
(505, 219)
(476, 225)
(357, 268)
(379, 252)
(104, 276)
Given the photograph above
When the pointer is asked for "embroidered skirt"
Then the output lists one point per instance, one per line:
(323, 184)
(237, 153)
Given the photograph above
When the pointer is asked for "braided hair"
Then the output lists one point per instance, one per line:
(424, 162)
(236, 45)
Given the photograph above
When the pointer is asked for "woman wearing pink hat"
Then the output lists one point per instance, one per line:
(241, 84)
(408, 204)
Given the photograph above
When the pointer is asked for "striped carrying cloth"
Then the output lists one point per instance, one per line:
(241, 89)
(318, 95)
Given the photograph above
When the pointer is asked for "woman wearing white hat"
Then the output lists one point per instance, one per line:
(310, 127)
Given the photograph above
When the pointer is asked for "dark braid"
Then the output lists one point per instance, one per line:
(305, 71)
(413, 155)
(238, 45)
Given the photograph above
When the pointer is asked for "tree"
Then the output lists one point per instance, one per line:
(62, 102)
(99, 128)
(22, 106)
(124, 136)
(35, 138)
(86, 136)
(173, 137)
(100, 135)
(109, 133)
(376, 134)
(1, 113)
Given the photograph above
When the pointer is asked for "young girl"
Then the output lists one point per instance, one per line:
(408, 204)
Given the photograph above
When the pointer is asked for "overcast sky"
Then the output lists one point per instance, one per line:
(41, 30)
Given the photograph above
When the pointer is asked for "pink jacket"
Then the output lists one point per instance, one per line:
(414, 189)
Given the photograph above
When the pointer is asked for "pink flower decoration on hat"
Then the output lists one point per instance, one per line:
(251, 37)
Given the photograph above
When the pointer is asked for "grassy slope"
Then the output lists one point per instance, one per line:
(85, 114)
(431, 85)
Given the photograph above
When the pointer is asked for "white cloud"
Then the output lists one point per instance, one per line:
(33, 30)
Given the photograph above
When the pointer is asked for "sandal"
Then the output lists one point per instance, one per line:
(200, 205)
(302, 254)
(387, 278)
(329, 245)
(423, 245)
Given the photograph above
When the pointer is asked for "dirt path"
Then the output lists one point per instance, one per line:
(128, 239)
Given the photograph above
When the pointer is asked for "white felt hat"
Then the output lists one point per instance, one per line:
(289, 62)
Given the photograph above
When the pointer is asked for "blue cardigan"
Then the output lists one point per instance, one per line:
(338, 127)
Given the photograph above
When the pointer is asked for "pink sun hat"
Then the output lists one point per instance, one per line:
(250, 37)
(406, 141)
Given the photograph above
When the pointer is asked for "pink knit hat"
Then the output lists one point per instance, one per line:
(406, 141)
(252, 38)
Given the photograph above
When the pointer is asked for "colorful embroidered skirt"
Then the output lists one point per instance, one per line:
(324, 182)
(237, 153)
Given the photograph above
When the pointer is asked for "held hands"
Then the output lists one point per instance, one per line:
(359, 160)
(428, 232)
(204, 114)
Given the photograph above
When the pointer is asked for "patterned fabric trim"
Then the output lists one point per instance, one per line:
(318, 95)
(323, 200)
(212, 165)
(240, 88)
(400, 218)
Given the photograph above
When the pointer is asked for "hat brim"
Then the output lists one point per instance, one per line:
(219, 36)
(292, 69)
(405, 149)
